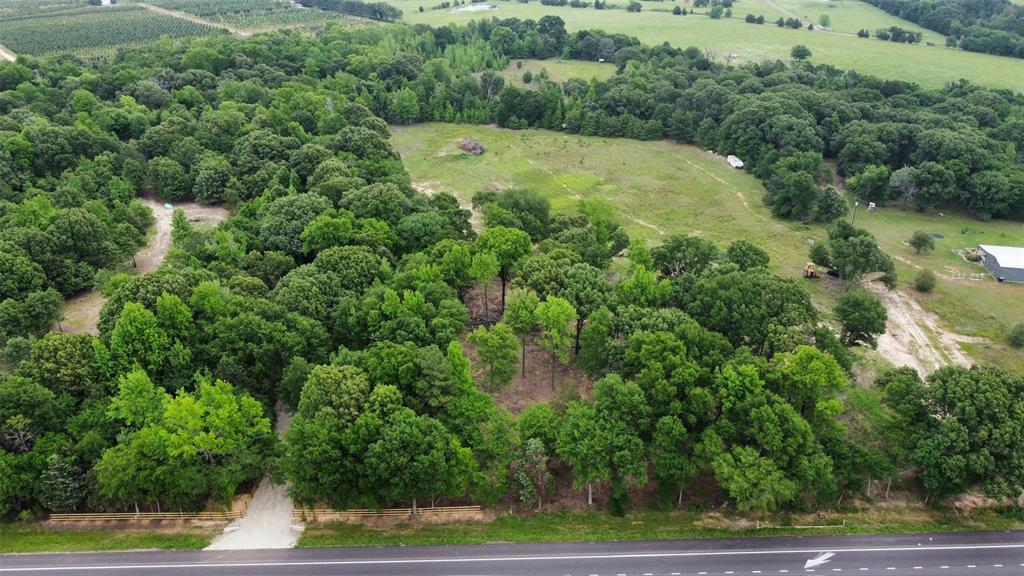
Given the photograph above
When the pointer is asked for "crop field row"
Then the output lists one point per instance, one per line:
(740, 42)
(252, 14)
(12, 8)
(90, 28)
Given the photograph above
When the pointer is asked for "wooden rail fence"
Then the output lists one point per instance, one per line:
(131, 516)
(329, 514)
(239, 507)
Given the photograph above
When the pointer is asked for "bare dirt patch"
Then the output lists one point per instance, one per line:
(81, 313)
(914, 336)
(6, 54)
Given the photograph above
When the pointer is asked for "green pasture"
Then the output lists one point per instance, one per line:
(929, 66)
(661, 188)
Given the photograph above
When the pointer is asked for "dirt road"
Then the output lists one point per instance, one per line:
(82, 312)
(267, 522)
(914, 336)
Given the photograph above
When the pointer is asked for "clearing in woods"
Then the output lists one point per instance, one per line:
(740, 42)
(81, 313)
(660, 188)
(557, 70)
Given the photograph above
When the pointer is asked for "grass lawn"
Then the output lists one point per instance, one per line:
(930, 66)
(558, 70)
(648, 525)
(22, 539)
(661, 188)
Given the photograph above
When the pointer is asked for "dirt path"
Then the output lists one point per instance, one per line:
(914, 336)
(194, 18)
(81, 313)
(268, 521)
(6, 54)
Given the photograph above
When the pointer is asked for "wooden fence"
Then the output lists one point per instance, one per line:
(144, 516)
(354, 515)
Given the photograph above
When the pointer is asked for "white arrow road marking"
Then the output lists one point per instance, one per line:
(821, 559)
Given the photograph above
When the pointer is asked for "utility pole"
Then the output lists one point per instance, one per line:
(855, 204)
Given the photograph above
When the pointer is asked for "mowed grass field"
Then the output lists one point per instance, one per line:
(929, 66)
(660, 188)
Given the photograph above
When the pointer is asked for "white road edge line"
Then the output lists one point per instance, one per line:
(498, 559)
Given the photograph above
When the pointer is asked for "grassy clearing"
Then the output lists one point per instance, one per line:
(20, 539)
(981, 308)
(658, 188)
(661, 188)
(929, 66)
(597, 527)
(558, 70)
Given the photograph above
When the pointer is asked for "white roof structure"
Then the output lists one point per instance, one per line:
(1008, 256)
(734, 161)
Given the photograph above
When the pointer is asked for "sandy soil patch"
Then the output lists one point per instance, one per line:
(914, 336)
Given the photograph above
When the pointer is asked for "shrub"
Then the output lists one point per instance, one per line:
(1016, 338)
(921, 242)
(924, 281)
(634, 7)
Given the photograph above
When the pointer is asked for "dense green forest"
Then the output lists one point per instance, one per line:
(340, 291)
(990, 26)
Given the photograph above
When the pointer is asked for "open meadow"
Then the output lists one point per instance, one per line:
(929, 66)
(661, 188)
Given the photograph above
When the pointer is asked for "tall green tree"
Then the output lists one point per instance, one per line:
(555, 317)
(498, 350)
(509, 246)
(521, 317)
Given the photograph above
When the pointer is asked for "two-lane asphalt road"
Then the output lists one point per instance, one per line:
(973, 554)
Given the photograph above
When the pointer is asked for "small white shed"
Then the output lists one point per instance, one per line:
(734, 161)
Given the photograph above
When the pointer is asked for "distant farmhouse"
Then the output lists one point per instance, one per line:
(1006, 263)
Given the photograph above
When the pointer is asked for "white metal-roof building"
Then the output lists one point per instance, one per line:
(734, 161)
(1006, 263)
